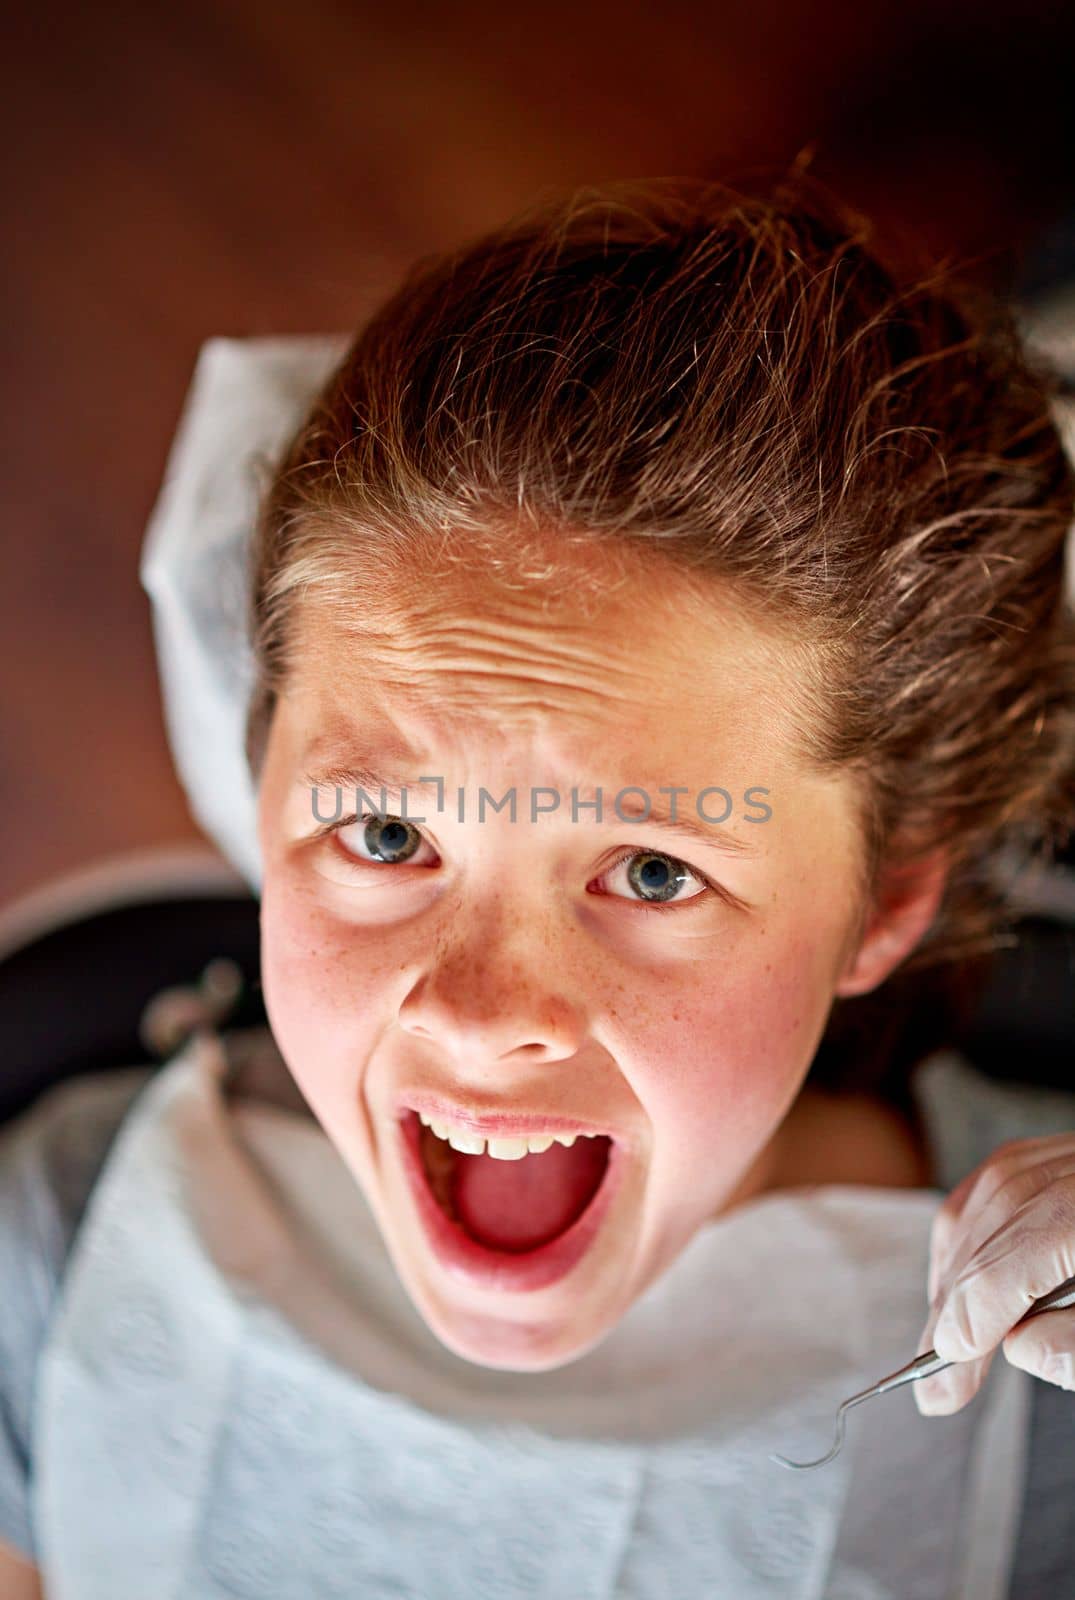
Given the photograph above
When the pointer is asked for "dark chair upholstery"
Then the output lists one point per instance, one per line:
(73, 995)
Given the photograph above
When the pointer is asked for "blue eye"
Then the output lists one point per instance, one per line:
(389, 840)
(655, 879)
(658, 878)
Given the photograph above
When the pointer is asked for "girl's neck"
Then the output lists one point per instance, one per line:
(848, 1138)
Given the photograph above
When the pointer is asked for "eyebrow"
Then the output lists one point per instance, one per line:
(686, 825)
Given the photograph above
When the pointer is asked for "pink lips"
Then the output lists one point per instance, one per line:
(464, 1258)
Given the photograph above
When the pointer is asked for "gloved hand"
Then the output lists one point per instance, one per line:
(1003, 1237)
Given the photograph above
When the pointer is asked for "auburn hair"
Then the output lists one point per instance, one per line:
(743, 385)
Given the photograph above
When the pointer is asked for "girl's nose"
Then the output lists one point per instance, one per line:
(493, 990)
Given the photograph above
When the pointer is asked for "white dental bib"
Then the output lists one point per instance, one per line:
(238, 1398)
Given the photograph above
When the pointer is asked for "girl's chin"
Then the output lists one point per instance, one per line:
(522, 1344)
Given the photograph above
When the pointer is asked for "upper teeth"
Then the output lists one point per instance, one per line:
(472, 1144)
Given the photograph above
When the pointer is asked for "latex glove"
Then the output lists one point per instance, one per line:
(1001, 1239)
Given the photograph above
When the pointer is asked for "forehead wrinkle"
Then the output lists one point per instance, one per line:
(456, 671)
(505, 709)
(429, 627)
(440, 702)
(519, 664)
(440, 687)
(449, 695)
(456, 643)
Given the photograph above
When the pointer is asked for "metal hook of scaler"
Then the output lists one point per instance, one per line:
(921, 1367)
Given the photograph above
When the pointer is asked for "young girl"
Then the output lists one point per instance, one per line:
(659, 641)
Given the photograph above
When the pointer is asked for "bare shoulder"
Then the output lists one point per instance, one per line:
(19, 1579)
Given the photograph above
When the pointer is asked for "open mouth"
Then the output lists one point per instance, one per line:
(511, 1206)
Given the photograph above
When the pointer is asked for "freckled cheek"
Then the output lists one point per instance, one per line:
(722, 1057)
(324, 984)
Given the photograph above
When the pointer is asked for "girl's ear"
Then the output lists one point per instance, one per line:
(904, 908)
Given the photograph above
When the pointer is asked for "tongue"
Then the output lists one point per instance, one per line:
(518, 1205)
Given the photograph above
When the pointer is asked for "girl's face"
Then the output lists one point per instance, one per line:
(666, 990)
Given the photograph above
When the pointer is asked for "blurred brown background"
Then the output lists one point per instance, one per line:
(172, 173)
